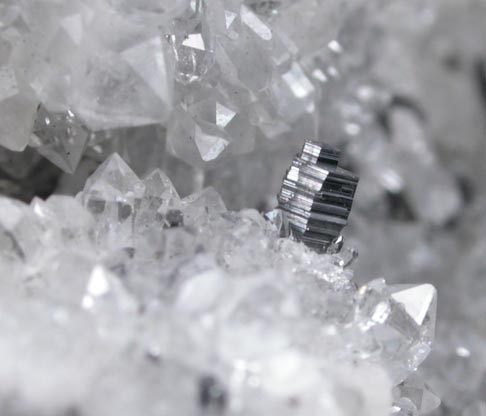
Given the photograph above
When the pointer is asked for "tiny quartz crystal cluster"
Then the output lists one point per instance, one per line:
(145, 268)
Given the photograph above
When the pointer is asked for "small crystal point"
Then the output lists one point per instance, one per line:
(224, 115)
(158, 183)
(158, 199)
(19, 232)
(210, 145)
(419, 393)
(114, 178)
(429, 401)
(229, 18)
(202, 204)
(60, 138)
(420, 301)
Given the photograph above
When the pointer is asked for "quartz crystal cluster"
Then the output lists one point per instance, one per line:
(213, 73)
(167, 303)
(128, 299)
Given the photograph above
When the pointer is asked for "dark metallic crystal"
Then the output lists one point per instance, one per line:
(317, 195)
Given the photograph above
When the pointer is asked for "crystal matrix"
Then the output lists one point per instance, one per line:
(179, 306)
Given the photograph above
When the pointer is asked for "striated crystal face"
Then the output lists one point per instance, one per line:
(416, 396)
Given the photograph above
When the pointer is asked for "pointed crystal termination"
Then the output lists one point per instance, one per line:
(397, 325)
(419, 393)
(317, 196)
(60, 138)
(113, 195)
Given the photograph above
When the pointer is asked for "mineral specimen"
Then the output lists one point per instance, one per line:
(162, 299)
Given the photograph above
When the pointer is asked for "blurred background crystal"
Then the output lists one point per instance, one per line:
(140, 141)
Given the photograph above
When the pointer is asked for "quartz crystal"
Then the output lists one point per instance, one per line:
(60, 137)
(142, 81)
(400, 320)
(419, 393)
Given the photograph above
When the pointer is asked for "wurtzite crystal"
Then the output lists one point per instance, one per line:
(317, 195)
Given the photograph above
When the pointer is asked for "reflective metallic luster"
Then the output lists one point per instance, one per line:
(317, 196)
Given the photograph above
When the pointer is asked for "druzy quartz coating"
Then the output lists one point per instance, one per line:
(317, 196)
